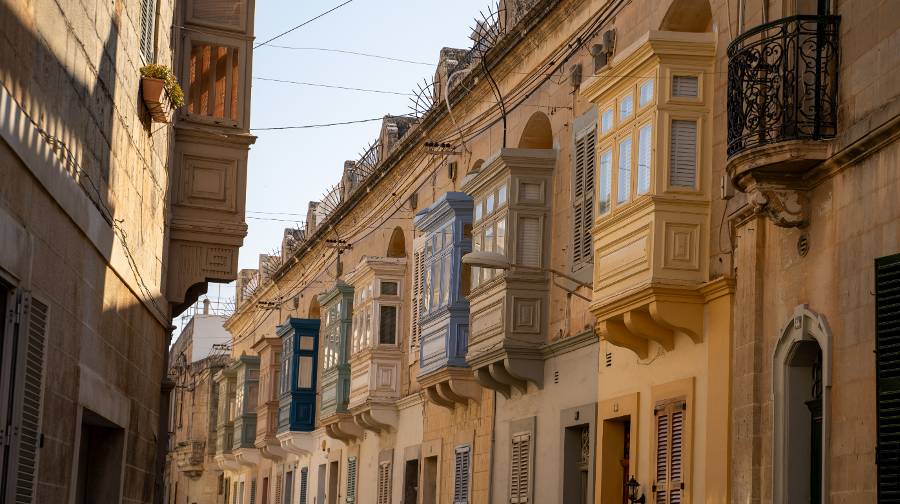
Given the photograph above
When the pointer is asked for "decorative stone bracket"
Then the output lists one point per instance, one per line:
(510, 367)
(654, 314)
(450, 387)
(297, 443)
(248, 457)
(344, 429)
(377, 418)
(786, 207)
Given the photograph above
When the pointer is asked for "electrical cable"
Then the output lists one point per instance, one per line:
(301, 25)
(332, 86)
(355, 53)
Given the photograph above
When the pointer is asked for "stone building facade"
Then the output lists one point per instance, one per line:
(100, 185)
(625, 249)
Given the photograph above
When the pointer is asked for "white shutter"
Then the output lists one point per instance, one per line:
(23, 383)
(520, 469)
(304, 485)
(683, 154)
(384, 483)
(669, 475)
(351, 480)
(684, 86)
(461, 475)
(583, 173)
(148, 23)
(418, 271)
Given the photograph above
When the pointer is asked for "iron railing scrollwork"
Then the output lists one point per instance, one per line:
(783, 82)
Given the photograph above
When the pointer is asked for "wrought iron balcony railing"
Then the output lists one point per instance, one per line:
(782, 82)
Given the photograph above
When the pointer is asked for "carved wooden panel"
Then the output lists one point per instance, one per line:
(208, 183)
(526, 314)
(682, 246)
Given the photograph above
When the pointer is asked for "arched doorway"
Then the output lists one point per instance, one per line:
(688, 16)
(397, 244)
(538, 133)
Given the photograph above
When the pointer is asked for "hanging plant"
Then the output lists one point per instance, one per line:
(161, 91)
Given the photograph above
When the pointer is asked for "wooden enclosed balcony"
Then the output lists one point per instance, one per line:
(225, 382)
(337, 312)
(375, 361)
(246, 400)
(268, 349)
(299, 369)
(509, 306)
(782, 109)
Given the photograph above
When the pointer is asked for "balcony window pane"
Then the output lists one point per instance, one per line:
(489, 238)
(501, 195)
(476, 242)
(427, 290)
(605, 180)
(606, 121)
(304, 371)
(501, 236)
(387, 332)
(252, 397)
(445, 280)
(477, 210)
(307, 342)
(624, 185)
(490, 205)
(626, 107)
(367, 337)
(646, 92)
(643, 168)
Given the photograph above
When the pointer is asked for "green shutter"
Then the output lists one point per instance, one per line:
(887, 345)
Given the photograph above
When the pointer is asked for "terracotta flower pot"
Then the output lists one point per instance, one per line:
(154, 93)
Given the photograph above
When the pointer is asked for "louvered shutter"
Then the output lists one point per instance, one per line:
(669, 479)
(583, 173)
(351, 480)
(461, 475)
(289, 487)
(887, 350)
(253, 491)
(24, 386)
(304, 485)
(529, 242)
(416, 291)
(683, 154)
(520, 469)
(384, 483)
(148, 23)
(684, 86)
(279, 480)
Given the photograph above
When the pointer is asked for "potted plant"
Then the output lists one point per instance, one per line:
(161, 91)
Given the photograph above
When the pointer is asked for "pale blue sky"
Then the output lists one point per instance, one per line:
(289, 168)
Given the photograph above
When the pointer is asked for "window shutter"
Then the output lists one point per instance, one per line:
(351, 480)
(887, 351)
(22, 424)
(683, 154)
(583, 172)
(529, 242)
(418, 273)
(684, 86)
(461, 475)
(304, 485)
(279, 481)
(669, 484)
(384, 483)
(520, 469)
(253, 491)
(148, 22)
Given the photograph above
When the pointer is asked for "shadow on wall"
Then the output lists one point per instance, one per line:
(118, 339)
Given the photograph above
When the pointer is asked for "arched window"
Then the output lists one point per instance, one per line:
(313, 312)
(397, 245)
(802, 385)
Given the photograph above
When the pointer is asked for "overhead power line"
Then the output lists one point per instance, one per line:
(356, 53)
(301, 25)
(332, 86)
(325, 125)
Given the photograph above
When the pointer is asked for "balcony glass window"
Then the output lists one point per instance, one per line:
(626, 107)
(304, 371)
(646, 93)
(389, 288)
(606, 160)
(643, 167)
(606, 121)
(623, 190)
(387, 330)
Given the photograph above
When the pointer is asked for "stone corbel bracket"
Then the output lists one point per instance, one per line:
(272, 451)
(377, 418)
(655, 313)
(297, 443)
(785, 207)
(344, 429)
(451, 387)
(248, 457)
(227, 462)
(509, 367)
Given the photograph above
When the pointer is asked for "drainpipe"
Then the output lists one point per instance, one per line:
(162, 438)
(491, 453)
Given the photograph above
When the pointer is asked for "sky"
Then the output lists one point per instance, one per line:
(289, 168)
